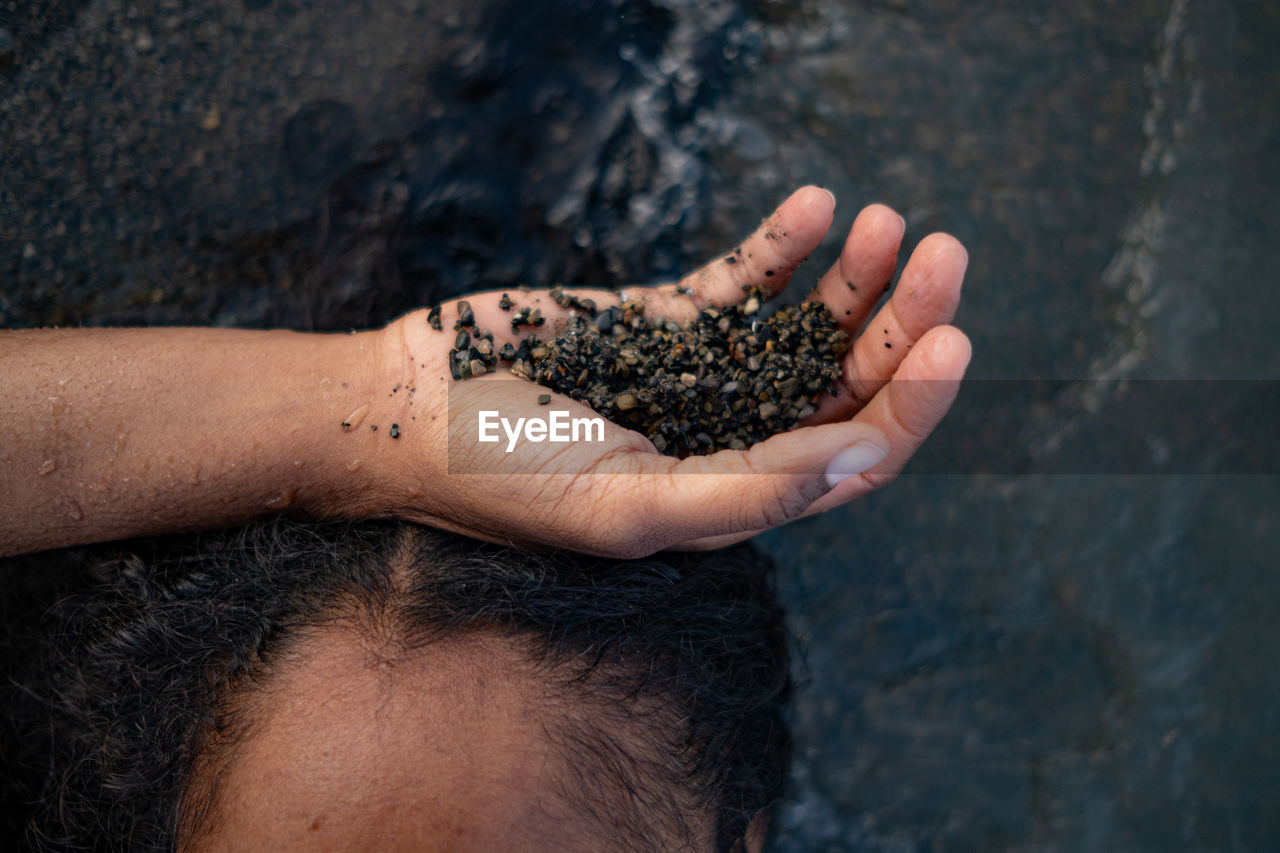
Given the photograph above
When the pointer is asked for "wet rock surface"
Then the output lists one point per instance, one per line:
(997, 658)
(319, 166)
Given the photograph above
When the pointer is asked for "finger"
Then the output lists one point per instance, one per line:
(861, 275)
(926, 297)
(766, 259)
(737, 492)
(907, 410)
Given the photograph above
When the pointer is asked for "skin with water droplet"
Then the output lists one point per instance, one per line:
(353, 466)
(284, 500)
(48, 466)
(74, 512)
(353, 420)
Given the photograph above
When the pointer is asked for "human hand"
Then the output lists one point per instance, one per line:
(620, 497)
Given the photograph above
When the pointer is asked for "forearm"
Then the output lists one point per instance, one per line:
(110, 433)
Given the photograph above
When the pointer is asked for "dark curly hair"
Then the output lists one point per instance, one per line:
(119, 694)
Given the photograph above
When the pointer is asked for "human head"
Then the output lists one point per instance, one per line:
(405, 680)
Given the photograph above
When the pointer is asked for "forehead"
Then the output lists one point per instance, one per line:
(355, 746)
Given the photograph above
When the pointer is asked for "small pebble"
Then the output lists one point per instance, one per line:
(466, 317)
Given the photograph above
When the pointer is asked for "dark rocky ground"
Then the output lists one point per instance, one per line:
(1056, 633)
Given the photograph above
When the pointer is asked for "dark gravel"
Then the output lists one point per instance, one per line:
(727, 380)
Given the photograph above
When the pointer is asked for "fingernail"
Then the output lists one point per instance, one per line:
(853, 460)
(830, 193)
(904, 223)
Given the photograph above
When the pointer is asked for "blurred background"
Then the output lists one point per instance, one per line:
(1056, 631)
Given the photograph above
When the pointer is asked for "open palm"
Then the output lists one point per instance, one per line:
(620, 497)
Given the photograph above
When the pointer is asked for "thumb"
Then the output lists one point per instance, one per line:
(737, 492)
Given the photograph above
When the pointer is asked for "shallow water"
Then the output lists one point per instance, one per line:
(1042, 638)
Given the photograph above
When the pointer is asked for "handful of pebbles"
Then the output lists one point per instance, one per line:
(727, 380)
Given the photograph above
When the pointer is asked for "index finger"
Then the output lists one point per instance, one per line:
(766, 260)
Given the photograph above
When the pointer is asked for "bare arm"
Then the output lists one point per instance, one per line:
(110, 433)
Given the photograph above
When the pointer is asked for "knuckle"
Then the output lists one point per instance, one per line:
(915, 433)
(878, 480)
(849, 383)
(780, 503)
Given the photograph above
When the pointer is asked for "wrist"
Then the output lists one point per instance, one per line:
(379, 447)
